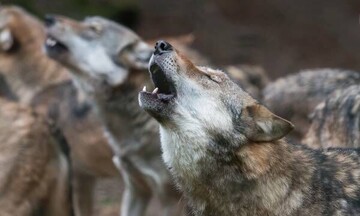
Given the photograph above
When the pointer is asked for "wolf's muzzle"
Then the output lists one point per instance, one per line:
(162, 47)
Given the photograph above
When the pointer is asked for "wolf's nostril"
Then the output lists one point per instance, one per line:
(162, 46)
(49, 20)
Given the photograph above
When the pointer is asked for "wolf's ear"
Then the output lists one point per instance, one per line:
(136, 56)
(6, 39)
(266, 126)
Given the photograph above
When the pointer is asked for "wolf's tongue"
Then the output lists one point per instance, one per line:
(160, 80)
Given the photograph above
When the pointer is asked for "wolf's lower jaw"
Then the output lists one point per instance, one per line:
(160, 96)
(52, 43)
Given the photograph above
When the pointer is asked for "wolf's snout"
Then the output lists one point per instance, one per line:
(162, 47)
(49, 20)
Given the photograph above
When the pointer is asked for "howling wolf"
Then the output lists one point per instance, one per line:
(227, 153)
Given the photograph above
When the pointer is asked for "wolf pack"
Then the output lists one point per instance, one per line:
(90, 99)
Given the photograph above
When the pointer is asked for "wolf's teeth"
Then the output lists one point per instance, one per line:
(155, 90)
(50, 42)
(144, 89)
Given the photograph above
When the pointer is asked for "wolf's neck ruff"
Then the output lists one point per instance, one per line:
(119, 105)
(123, 98)
(244, 177)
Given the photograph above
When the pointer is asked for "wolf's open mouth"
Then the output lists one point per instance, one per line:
(54, 45)
(164, 88)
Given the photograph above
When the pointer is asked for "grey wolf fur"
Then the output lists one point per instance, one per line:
(108, 62)
(227, 152)
(251, 78)
(33, 78)
(91, 156)
(25, 66)
(294, 97)
(34, 175)
(335, 121)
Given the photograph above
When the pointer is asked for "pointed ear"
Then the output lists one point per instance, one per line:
(6, 39)
(137, 55)
(265, 125)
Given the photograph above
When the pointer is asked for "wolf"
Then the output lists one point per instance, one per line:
(184, 43)
(227, 153)
(108, 62)
(34, 178)
(335, 121)
(90, 154)
(251, 78)
(25, 66)
(295, 96)
(31, 78)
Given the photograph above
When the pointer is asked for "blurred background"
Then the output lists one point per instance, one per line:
(281, 36)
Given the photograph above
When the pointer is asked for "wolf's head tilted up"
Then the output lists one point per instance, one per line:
(226, 150)
(96, 49)
(205, 101)
(205, 119)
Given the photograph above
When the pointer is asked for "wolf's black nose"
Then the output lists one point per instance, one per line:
(49, 20)
(162, 47)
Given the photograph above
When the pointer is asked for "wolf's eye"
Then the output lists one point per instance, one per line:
(96, 27)
(214, 78)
